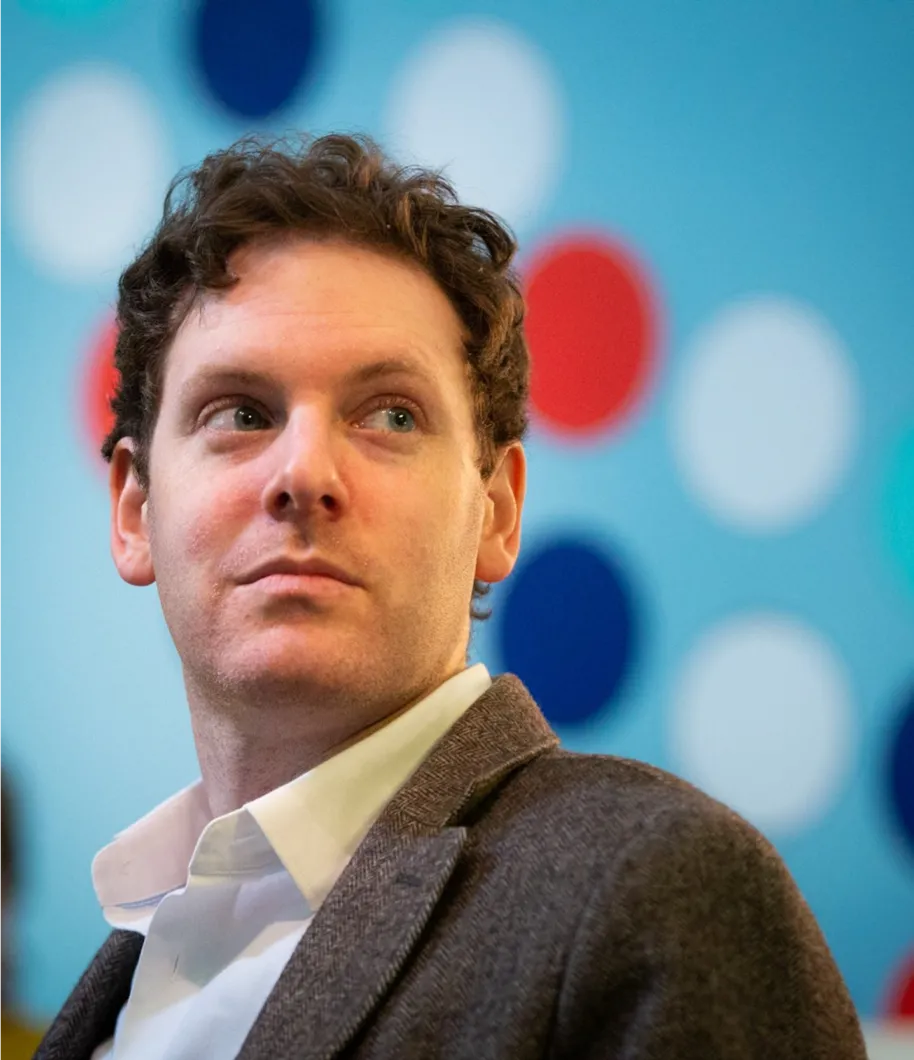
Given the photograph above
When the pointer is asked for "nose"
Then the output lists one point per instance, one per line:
(304, 478)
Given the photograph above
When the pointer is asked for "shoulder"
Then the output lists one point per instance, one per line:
(677, 911)
(621, 791)
(600, 811)
(622, 839)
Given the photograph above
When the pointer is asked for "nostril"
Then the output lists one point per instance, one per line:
(329, 502)
(283, 500)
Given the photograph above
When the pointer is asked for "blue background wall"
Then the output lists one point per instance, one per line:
(714, 203)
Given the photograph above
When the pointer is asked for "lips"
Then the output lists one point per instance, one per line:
(311, 565)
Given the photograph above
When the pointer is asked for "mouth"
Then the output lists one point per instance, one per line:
(300, 585)
(287, 576)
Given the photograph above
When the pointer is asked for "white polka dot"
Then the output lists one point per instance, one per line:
(766, 418)
(482, 102)
(763, 721)
(90, 167)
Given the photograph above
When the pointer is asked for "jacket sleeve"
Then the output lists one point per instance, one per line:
(696, 943)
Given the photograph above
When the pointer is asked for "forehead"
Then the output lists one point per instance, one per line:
(324, 308)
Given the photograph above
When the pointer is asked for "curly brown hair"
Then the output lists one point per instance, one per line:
(332, 187)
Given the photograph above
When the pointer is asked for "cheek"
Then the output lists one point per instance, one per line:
(434, 528)
(196, 521)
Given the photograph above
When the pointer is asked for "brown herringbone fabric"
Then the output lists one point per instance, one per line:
(518, 901)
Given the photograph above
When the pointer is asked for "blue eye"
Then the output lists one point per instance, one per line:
(237, 418)
(400, 419)
(248, 419)
(395, 418)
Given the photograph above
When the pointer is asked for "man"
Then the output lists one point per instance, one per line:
(317, 459)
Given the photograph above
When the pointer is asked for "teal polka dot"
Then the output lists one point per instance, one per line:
(899, 507)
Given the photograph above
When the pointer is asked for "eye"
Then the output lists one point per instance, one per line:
(395, 418)
(237, 418)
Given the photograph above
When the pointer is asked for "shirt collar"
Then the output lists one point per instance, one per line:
(314, 823)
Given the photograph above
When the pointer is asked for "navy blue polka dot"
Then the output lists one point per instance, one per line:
(901, 771)
(254, 54)
(566, 628)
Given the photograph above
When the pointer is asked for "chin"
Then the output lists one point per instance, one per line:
(292, 659)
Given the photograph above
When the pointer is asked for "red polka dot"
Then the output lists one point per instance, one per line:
(592, 326)
(99, 383)
(901, 992)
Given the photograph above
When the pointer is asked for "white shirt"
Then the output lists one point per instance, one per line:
(224, 902)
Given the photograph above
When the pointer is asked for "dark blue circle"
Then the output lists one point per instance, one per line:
(567, 629)
(254, 54)
(901, 771)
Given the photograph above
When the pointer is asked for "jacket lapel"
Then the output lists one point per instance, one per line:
(366, 928)
(353, 949)
(90, 1013)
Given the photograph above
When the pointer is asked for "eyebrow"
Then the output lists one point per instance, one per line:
(224, 376)
(243, 377)
(393, 366)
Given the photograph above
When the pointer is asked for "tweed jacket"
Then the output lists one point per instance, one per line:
(518, 901)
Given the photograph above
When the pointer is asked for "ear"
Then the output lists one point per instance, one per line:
(500, 539)
(129, 527)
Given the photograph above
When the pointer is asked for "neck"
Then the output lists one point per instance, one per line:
(246, 751)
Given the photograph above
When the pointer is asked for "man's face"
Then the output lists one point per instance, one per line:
(317, 412)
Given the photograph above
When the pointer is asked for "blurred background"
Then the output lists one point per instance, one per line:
(715, 207)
